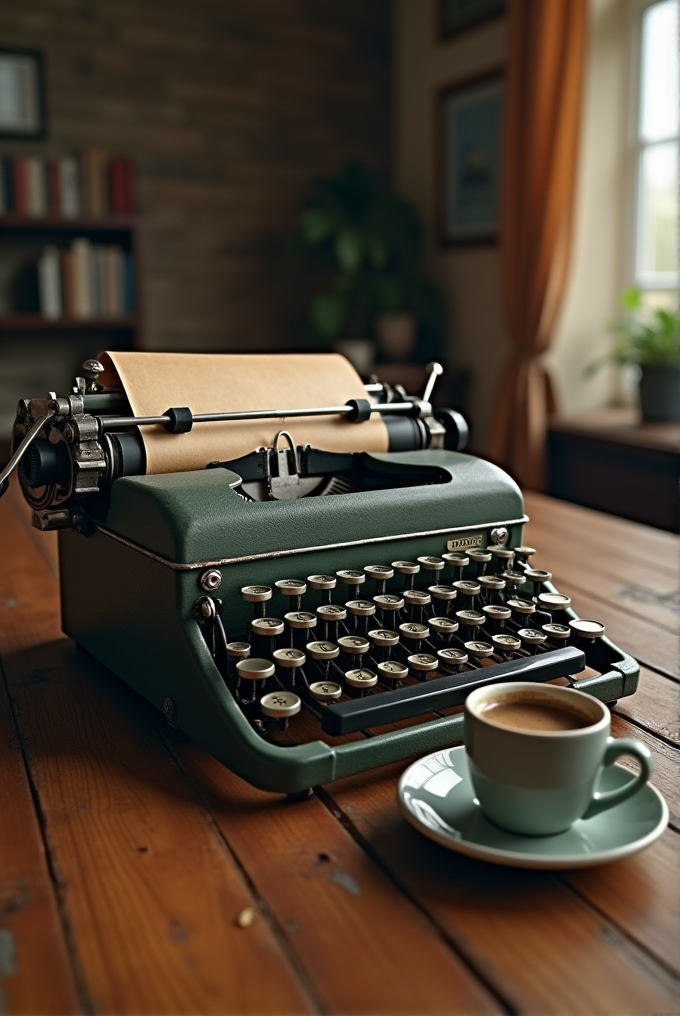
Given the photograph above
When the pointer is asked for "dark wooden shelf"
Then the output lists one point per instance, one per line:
(24, 223)
(37, 323)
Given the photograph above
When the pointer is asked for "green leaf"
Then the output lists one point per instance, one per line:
(328, 313)
(349, 250)
(316, 224)
(631, 299)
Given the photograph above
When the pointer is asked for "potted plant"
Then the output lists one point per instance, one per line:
(650, 340)
(369, 242)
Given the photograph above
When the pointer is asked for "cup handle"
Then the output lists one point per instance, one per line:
(615, 748)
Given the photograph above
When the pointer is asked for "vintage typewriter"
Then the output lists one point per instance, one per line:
(303, 614)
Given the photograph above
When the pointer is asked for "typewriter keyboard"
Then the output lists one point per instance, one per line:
(330, 655)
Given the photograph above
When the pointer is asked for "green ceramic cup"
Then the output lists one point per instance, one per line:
(537, 782)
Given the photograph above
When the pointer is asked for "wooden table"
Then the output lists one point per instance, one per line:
(139, 876)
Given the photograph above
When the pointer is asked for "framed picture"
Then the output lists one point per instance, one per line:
(458, 15)
(22, 94)
(470, 125)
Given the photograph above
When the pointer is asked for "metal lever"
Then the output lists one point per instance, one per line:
(444, 692)
(433, 370)
(23, 447)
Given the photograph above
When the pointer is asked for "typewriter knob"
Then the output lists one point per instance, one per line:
(361, 679)
(531, 638)
(553, 602)
(497, 615)
(381, 573)
(325, 691)
(392, 671)
(238, 650)
(557, 632)
(254, 669)
(452, 657)
(414, 631)
(442, 626)
(353, 645)
(294, 589)
(381, 638)
(504, 557)
(290, 659)
(352, 577)
(280, 705)
(480, 558)
(587, 629)
(417, 597)
(322, 581)
(387, 601)
(444, 595)
(270, 627)
(513, 579)
(423, 663)
(506, 644)
(361, 608)
(479, 650)
(300, 619)
(457, 560)
(470, 618)
(538, 576)
(256, 594)
(409, 569)
(493, 587)
(431, 564)
(524, 553)
(521, 608)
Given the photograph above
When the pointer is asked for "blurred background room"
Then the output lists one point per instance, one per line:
(489, 184)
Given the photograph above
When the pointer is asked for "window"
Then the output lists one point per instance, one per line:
(655, 255)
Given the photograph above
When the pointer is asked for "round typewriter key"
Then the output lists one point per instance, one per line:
(256, 594)
(452, 657)
(444, 593)
(479, 650)
(353, 645)
(415, 632)
(553, 601)
(497, 616)
(506, 643)
(360, 608)
(538, 576)
(352, 578)
(361, 679)
(590, 630)
(521, 608)
(557, 632)
(280, 705)
(270, 627)
(480, 559)
(409, 569)
(325, 691)
(289, 658)
(443, 626)
(513, 580)
(431, 564)
(381, 573)
(524, 553)
(470, 618)
(382, 638)
(417, 597)
(531, 638)
(291, 587)
(322, 650)
(503, 557)
(492, 588)
(300, 619)
(467, 589)
(323, 583)
(331, 612)
(388, 604)
(457, 561)
(392, 672)
(423, 663)
(254, 669)
(238, 650)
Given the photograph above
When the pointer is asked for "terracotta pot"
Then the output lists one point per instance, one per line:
(396, 335)
(359, 352)
(660, 394)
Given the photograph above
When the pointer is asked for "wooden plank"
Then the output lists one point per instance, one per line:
(35, 969)
(345, 921)
(666, 764)
(655, 706)
(152, 896)
(544, 948)
(575, 522)
(636, 895)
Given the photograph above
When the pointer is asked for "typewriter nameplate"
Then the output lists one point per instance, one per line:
(464, 542)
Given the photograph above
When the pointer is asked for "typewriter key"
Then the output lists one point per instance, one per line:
(442, 593)
(524, 553)
(521, 609)
(414, 631)
(479, 650)
(558, 633)
(381, 573)
(531, 638)
(467, 589)
(265, 631)
(417, 597)
(480, 559)
(513, 580)
(586, 629)
(503, 557)
(361, 679)
(325, 691)
(352, 578)
(323, 583)
(280, 705)
(409, 569)
(360, 610)
(431, 564)
(552, 602)
(443, 626)
(381, 638)
(506, 644)
(457, 561)
(289, 659)
(492, 588)
(294, 589)
(331, 614)
(254, 672)
(497, 616)
(322, 650)
(354, 646)
(470, 618)
(423, 663)
(452, 657)
(538, 577)
(257, 595)
(392, 672)
(238, 650)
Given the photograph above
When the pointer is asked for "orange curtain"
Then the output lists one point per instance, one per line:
(546, 62)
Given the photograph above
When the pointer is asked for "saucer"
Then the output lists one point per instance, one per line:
(436, 796)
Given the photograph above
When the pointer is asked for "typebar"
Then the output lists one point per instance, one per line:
(444, 692)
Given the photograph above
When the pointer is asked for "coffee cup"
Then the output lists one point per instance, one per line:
(535, 753)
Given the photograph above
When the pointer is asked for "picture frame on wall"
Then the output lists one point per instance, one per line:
(458, 15)
(470, 118)
(22, 94)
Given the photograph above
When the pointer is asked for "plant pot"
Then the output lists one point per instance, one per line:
(660, 394)
(396, 335)
(359, 352)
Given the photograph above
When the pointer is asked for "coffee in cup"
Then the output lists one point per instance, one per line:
(535, 753)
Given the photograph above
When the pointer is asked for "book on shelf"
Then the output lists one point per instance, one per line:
(92, 184)
(85, 280)
(49, 283)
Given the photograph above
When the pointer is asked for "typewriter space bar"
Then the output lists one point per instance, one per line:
(444, 692)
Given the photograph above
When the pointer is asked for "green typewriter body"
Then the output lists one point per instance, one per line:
(304, 639)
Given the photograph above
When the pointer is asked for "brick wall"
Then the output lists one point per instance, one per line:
(229, 109)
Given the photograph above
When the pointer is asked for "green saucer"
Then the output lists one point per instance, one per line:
(437, 798)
